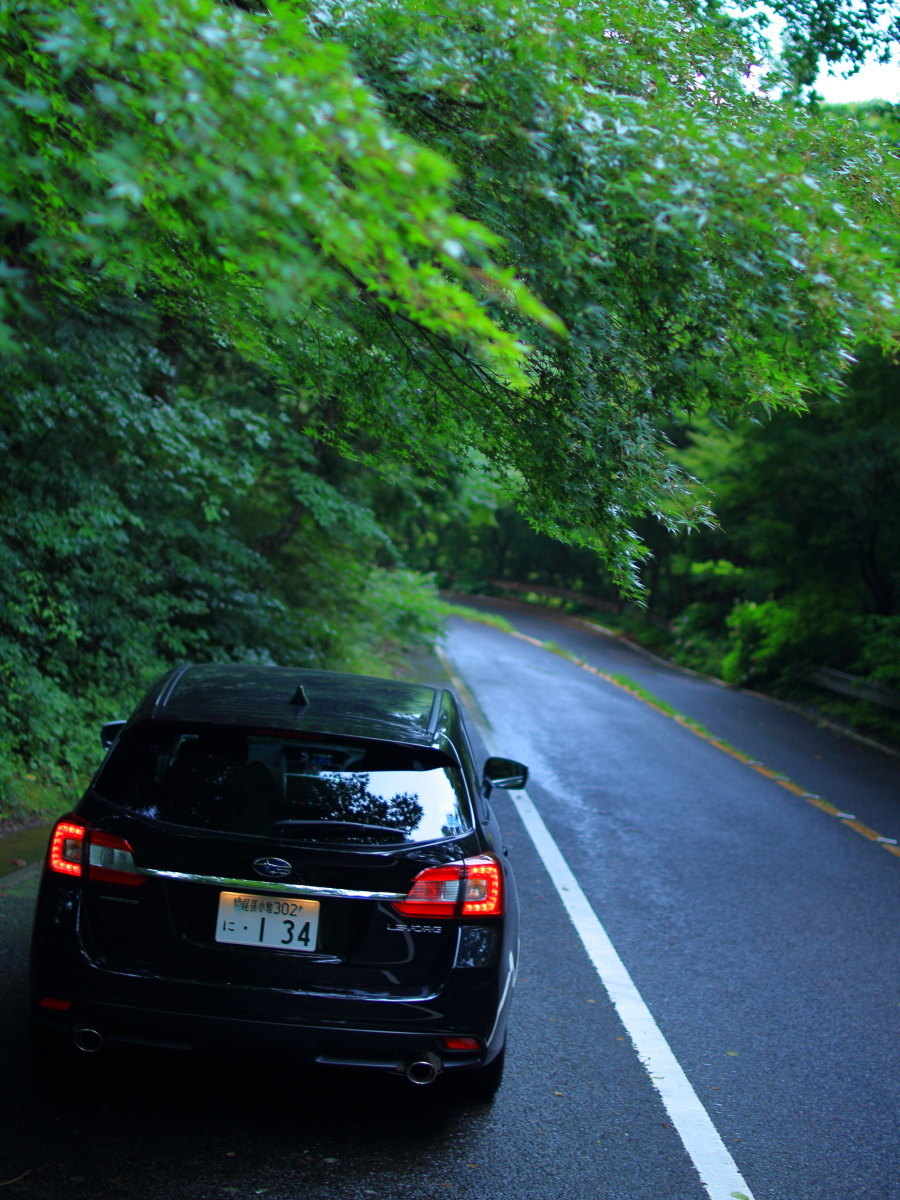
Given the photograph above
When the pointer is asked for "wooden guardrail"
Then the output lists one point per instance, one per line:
(542, 589)
(600, 603)
(852, 685)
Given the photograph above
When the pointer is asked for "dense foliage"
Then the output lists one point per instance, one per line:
(268, 274)
(801, 571)
(162, 507)
(701, 246)
(805, 569)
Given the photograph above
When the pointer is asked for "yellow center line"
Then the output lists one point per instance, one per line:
(860, 828)
(778, 777)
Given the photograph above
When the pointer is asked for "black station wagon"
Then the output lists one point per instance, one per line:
(288, 861)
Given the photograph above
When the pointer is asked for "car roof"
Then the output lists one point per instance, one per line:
(297, 699)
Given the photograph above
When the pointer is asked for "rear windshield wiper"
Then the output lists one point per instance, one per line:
(290, 825)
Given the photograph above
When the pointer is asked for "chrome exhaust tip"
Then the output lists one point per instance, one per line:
(424, 1070)
(88, 1041)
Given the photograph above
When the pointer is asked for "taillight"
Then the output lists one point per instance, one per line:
(471, 888)
(78, 849)
(110, 860)
(484, 888)
(66, 844)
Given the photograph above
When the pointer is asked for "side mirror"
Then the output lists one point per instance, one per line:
(504, 773)
(109, 733)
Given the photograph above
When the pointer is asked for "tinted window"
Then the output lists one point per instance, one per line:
(242, 781)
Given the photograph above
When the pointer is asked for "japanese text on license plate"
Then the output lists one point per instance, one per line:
(277, 922)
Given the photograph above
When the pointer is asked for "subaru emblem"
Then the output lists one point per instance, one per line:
(272, 868)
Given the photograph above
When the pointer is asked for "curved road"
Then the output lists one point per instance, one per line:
(758, 921)
(754, 923)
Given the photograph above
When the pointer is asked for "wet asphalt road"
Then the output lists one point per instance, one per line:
(821, 758)
(761, 932)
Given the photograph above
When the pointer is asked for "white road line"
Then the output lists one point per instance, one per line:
(717, 1170)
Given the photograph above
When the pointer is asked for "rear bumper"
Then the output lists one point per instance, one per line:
(98, 1025)
(98, 1008)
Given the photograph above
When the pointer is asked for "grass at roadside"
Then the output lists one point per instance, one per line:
(474, 614)
(629, 685)
(27, 800)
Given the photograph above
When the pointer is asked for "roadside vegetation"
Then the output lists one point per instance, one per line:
(308, 310)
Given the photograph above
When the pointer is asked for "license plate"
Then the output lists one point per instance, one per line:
(277, 922)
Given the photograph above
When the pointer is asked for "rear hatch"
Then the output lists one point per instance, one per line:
(253, 858)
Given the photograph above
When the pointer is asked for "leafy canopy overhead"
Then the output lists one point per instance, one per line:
(539, 231)
(703, 246)
(835, 33)
(226, 162)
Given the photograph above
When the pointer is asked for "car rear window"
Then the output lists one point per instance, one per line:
(272, 785)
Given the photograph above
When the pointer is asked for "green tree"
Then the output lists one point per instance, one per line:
(281, 173)
(695, 241)
(831, 33)
(152, 482)
(259, 269)
(802, 570)
(818, 499)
